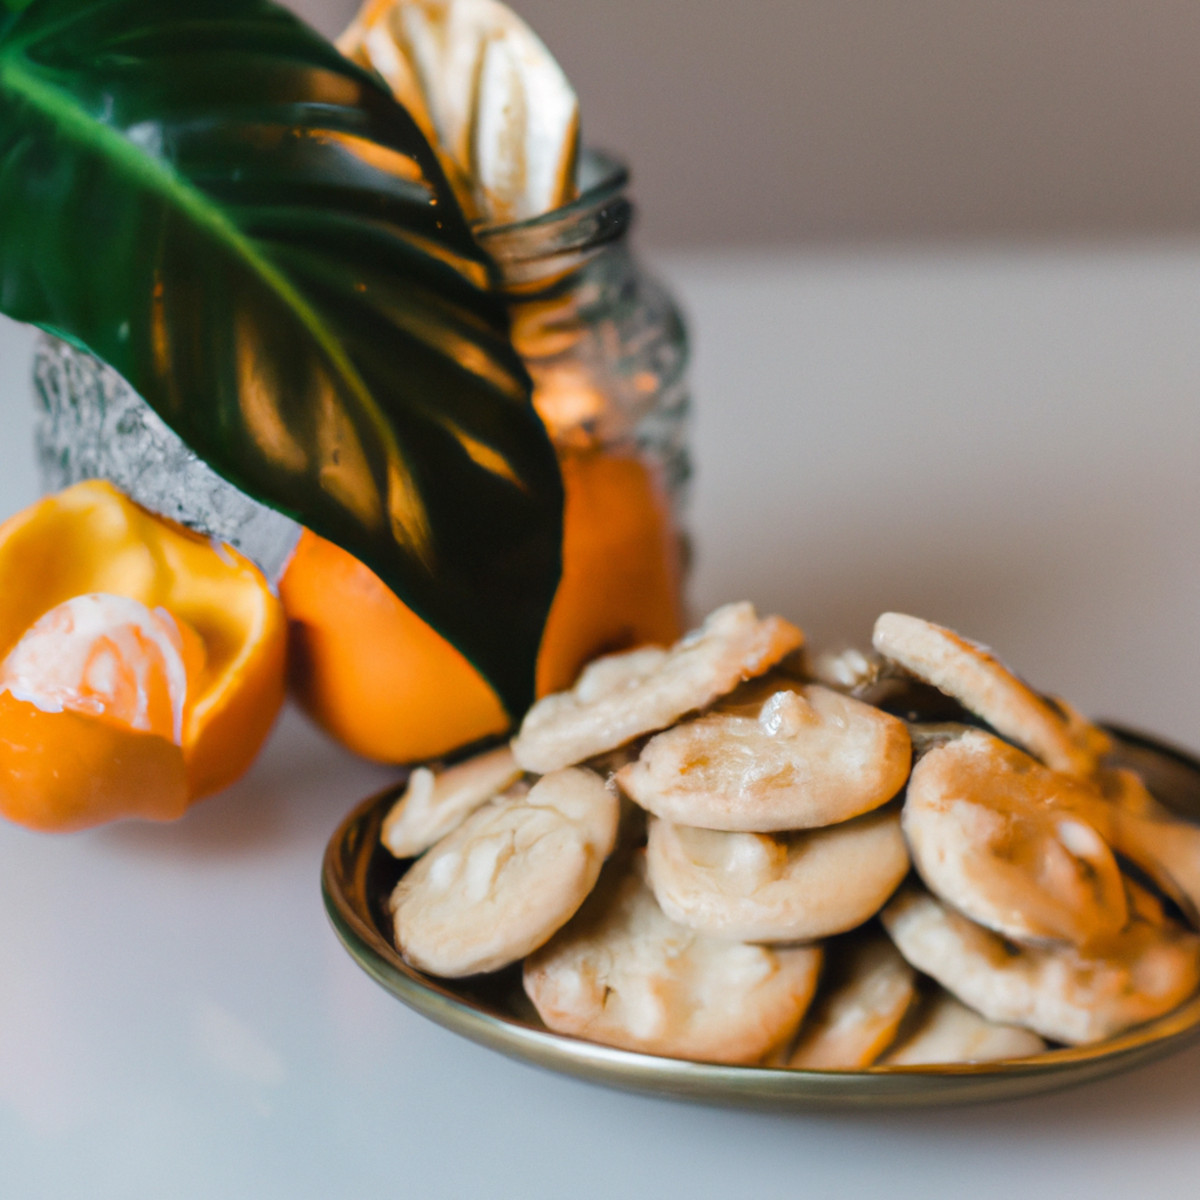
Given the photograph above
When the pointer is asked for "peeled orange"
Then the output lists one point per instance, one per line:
(141, 666)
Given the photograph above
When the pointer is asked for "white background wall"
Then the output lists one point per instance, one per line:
(769, 121)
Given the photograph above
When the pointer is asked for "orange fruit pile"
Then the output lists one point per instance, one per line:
(141, 666)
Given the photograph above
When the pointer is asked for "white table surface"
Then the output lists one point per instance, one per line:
(1004, 440)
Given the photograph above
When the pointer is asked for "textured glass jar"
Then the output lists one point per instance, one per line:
(603, 340)
(607, 352)
(93, 425)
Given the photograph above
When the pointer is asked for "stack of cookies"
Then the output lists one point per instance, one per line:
(707, 852)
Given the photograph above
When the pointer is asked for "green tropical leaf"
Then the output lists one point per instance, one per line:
(249, 228)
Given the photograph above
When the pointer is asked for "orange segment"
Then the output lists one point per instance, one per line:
(91, 539)
(107, 656)
(382, 682)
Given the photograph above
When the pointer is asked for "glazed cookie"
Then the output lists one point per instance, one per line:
(623, 696)
(509, 876)
(1116, 804)
(997, 835)
(858, 1008)
(791, 887)
(784, 756)
(949, 1032)
(435, 803)
(624, 974)
(1061, 993)
(1050, 730)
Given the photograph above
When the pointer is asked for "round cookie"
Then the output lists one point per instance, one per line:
(623, 696)
(511, 874)
(1050, 730)
(624, 974)
(949, 1032)
(1061, 993)
(434, 803)
(858, 1009)
(997, 836)
(785, 756)
(792, 887)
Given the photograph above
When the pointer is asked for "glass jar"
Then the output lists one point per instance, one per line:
(602, 339)
(93, 425)
(607, 352)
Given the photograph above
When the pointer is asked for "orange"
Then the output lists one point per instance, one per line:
(622, 579)
(368, 670)
(141, 665)
(381, 681)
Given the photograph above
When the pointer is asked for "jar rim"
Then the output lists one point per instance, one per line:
(600, 214)
(602, 177)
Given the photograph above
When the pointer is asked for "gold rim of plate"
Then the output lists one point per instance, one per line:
(358, 875)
